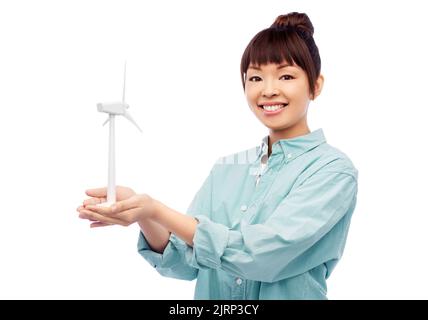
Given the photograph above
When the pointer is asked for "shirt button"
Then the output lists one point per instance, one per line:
(238, 281)
(289, 155)
(244, 208)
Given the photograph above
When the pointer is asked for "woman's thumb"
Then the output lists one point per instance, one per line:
(97, 192)
(127, 204)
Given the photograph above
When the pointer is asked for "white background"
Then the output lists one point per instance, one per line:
(59, 58)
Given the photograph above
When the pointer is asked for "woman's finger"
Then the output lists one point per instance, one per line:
(87, 214)
(97, 192)
(93, 201)
(84, 215)
(107, 211)
(128, 204)
(99, 224)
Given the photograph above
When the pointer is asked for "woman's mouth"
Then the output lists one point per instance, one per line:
(272, 109)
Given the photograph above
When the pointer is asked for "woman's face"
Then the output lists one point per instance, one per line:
(279, 96)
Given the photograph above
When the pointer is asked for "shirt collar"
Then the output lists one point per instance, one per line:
(294, 147)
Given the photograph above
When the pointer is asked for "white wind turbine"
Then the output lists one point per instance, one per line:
(114, 109)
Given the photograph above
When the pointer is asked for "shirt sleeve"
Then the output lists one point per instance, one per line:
(174, 261)
(308, 228)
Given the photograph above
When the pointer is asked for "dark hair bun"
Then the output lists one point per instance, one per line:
(297, 20)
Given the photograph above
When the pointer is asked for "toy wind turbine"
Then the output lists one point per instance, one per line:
(114, 109)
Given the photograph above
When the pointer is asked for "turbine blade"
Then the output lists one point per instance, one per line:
(128, 116)
(124, 84)
(108, 119)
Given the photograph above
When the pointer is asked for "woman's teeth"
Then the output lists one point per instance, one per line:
(274, 108)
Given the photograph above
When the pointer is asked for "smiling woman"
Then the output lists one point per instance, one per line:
(270, 222)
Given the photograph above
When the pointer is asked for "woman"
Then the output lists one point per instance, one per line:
(269, 222)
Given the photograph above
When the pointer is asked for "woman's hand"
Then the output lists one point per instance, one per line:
(99, 195)
(130, 208)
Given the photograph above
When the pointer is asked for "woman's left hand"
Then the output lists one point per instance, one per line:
(136, 208)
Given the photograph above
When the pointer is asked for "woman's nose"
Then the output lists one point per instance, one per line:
(270, 90)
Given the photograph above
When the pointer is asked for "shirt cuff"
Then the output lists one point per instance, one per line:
(209, 242)
(171, 254)
(154, 258)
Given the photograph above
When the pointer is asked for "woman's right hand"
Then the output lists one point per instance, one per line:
(99, 195)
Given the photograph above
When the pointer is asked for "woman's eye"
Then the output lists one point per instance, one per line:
(286, 77)
(255, 78)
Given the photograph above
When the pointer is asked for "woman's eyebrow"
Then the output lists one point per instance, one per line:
(284, 65)
(281, 66)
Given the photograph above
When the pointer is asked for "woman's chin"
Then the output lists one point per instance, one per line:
(277, 126)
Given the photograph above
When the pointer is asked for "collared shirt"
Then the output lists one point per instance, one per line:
(266, 233)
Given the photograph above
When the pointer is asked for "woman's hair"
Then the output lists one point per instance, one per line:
(289, 39)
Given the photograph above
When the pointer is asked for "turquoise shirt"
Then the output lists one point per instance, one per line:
(270, 229)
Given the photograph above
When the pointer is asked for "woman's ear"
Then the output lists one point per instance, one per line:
(318, 86)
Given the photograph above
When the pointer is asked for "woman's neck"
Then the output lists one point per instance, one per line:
(289, 133)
